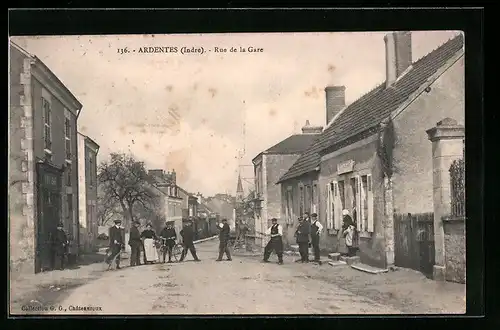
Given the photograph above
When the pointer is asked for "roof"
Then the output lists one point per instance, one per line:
(239, 187)
(295, 144)
(375, 106)
(49, 72)
(88, 139)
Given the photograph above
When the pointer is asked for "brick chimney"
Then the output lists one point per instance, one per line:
(335, 101)
(308, 129)
(398, 56)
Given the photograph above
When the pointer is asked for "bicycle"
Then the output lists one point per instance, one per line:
(176, 249)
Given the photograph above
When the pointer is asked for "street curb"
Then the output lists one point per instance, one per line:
(205, 239)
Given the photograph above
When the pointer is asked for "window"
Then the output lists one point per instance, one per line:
(289, 205)
(308, 199)
(91, 169)
(364, 202)
(315, 198)
(68, 175)
(47, 123)
(301, 200)
(341, 192)
(67, 137)
(334, 206)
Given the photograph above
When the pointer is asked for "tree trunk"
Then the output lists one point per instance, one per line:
(131, 215)
(127, 215)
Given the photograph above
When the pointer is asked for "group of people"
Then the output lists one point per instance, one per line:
(308, 233)
(149, 242)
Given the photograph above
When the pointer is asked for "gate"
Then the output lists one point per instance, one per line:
(49, 212)
(414, 241)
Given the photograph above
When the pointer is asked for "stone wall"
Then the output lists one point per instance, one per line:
(454, 241)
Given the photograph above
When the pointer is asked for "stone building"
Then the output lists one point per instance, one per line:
(375, 160)
(87, 194)
(269, 166)
(43, 158)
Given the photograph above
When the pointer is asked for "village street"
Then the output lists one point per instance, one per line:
(247, 286)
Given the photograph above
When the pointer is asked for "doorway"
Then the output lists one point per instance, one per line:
(49, 212)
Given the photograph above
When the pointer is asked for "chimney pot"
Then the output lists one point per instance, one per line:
(335, 101)
(308, 129)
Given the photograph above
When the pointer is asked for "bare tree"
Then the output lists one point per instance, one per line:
(107, 207)
(124, 180)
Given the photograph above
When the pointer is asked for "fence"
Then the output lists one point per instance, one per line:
(457, 182)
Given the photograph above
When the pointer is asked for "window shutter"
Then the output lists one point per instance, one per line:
(359, 213)
(328, 207)
(362, 197)
(337, 213)
(370, 203)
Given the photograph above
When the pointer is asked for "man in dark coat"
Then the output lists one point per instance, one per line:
(302, 237)
(115, 243)
(187, 234)
(224, 230)
(59, 246)
(169, 235)
(316, 230)
(135, 243)
(276, 242)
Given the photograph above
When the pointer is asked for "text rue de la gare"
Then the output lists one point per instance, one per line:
(190, 50)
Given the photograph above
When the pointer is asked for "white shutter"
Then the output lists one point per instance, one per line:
(337, 214)
(359, 214)
(370, 203)
(328, 207)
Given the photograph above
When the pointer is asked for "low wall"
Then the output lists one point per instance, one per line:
(454, 240)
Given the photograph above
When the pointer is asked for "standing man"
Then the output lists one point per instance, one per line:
(187, 234)
(224, 230)
(115, 243)
(302, 236)
(276, 242)
(59, 246)
(307, 217)
(169, 235)
(135, 243)
(316, 229)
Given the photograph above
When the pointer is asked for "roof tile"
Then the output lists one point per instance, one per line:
(375, 106)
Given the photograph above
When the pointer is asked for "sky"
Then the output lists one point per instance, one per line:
(208, 115)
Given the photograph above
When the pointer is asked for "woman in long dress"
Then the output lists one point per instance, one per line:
(149, 237)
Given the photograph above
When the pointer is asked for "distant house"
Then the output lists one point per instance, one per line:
(269, 166)
(43, 158)
(374, 158)
(87, 194)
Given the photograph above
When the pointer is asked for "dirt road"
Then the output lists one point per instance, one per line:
(242, 286)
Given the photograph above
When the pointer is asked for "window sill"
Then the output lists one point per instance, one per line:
(68, 161)
(47, 151)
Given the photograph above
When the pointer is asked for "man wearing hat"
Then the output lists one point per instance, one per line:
(302, 237)
(59, 245)
(187, 234)
(224, 230)
(316, 229)
(275, 243)
(135, 243)
(169, 235)
(115, 243)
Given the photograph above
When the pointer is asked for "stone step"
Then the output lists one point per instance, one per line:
(350, 260)
(337, 263)
(334, 256)
(369, 269)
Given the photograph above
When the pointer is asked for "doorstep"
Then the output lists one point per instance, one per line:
(369, 269)
(335, 263)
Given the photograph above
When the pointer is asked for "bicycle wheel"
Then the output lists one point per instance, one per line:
(176, 251)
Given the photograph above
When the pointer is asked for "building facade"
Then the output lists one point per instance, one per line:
(43, 158)
(87, 196)
(269, 166)
(381, 170)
